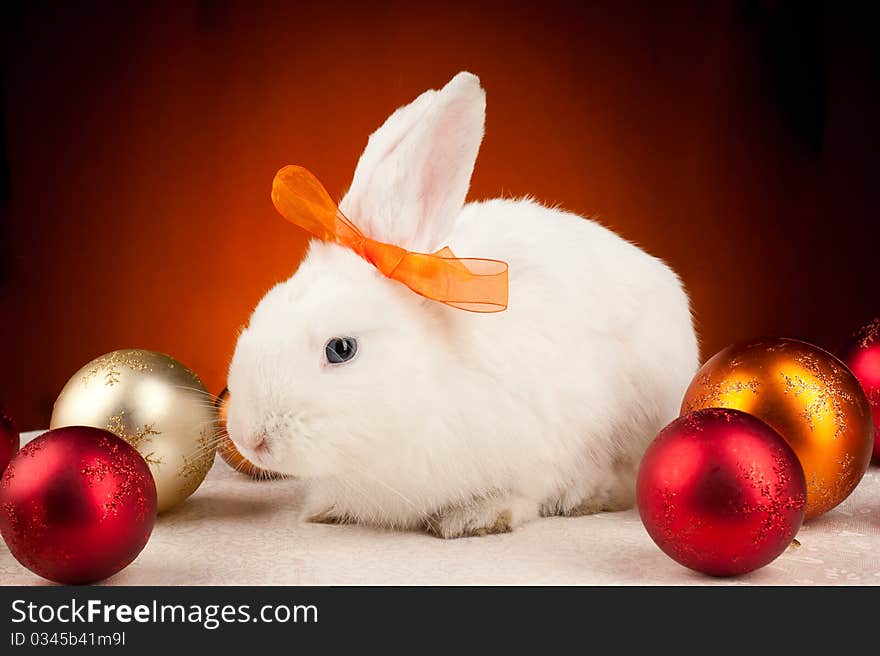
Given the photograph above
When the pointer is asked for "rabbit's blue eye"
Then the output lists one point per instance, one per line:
(340, 349)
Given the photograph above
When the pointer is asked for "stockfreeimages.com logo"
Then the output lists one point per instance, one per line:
(209, 616)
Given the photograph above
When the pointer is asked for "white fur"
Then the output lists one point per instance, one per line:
(465, 423)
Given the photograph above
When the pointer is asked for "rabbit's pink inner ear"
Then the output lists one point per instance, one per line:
(414, 175)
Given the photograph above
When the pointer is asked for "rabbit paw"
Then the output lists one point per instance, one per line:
(483, 517)
(614, 495)
(327, 517)
(610, 492)
(594, 505)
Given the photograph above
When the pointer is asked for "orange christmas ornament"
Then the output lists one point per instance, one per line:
(228, 451)
(808, 396)
(474, 284)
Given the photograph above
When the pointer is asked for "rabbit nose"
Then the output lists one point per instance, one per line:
(260, 442)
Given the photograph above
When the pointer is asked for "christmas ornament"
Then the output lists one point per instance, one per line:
(154, 403)
(77, 505)
(721, 492)
(861, 353)
(229, 452)
(9, 440)
(808, 396)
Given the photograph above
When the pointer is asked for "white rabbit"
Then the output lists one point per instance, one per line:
(421, 415)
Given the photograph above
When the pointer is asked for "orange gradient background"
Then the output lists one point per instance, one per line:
(735, 140)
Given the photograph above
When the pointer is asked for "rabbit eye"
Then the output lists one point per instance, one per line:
(340, 349)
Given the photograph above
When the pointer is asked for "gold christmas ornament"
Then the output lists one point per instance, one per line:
(154, 403)
(808, 396)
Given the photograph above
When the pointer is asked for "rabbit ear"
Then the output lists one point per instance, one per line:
(412, 179)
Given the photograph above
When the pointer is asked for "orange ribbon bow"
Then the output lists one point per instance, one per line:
(474, 284)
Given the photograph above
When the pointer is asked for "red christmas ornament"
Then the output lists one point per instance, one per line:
(721, 492)
(9, 440)
(77, 505)
(861, 353)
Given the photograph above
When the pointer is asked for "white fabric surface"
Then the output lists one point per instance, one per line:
(235, 531)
